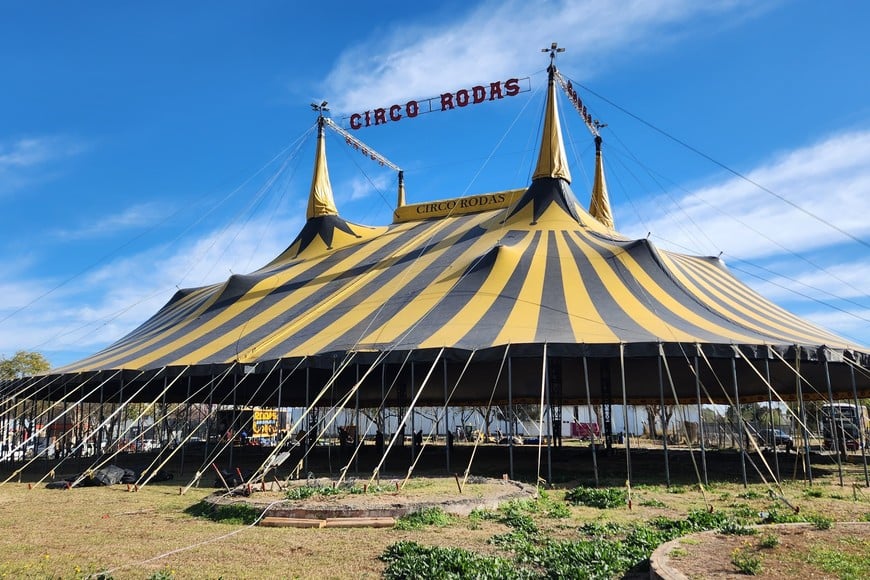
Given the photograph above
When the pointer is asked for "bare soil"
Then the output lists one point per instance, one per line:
(800, 551)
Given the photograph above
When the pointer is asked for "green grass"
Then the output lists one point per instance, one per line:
(846, 566)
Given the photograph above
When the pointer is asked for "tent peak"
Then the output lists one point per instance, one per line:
(599, 205)
(552, 161)
(320, 199)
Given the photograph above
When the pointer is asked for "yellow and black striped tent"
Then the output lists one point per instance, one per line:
(526, 276)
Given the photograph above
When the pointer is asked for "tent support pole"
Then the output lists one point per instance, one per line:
(835, 434)
(589, 417)
(447, 436)
(625, 414)
(186, 431)
(511, 425)
(862, 430)
(307, 437)
(808, 466)
(740, 427)
(662, 415)
(701, 431)
(356, 438)
(235, 416)
(383, 426)
(413, 422)
(280, 395)
(549, 422)
(770, 415)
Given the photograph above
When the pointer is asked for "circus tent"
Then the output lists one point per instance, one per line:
(526, 274)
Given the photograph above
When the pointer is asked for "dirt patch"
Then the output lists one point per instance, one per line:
(775, 552)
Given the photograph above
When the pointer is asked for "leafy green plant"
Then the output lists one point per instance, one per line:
(235, 513)
(750, 494)
(735, 529)
(406, 560)
(768, 541)
(432, 516)
(299, 492)
(812, 492)
(601, 498)
(821, 522)
(746, 562)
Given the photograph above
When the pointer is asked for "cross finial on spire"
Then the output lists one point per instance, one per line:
(319, 107)
(554, 48)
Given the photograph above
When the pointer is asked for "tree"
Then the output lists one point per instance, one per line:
(23, 364)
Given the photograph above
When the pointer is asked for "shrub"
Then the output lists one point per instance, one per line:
(821, 522)
(235, 513)
(601, 498)
(432, 516)
(735, 529)
(746, 562)
(407, 560)
(769, 541)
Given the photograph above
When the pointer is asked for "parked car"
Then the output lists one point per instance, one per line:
(775, 438)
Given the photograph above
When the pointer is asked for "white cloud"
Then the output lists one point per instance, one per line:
(364, 187)
(28, 160)
(741, 219)
(102, 306)
(501, 39)
(132, 217)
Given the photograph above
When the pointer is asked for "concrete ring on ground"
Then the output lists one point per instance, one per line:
(664, 567)
(478, 493)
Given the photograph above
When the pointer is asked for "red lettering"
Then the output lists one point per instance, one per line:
(495, 91)
(412, 108)
(354, 121)
(462, 98)
(380, 116)
(394, 113)
(512, 87)
(368, 119)
(478, 94)
(446, 101)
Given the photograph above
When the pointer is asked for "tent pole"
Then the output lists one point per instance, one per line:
(770, 415)
(511, 425)
(862, 429)
(589, 417)
(447, 436)
(356, 438)
(662, 415)
(383, 426)
(701, 431)
(740, 428)
(235, 416)
(550, 433)
(625, 413)
(808, 466)
(186, 430)
(834, 433)
(413, 422)
(306, 440)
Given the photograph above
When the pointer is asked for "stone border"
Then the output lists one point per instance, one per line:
(459, 505)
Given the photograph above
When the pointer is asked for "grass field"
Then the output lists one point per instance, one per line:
(149, 534)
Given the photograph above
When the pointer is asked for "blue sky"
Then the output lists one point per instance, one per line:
(146, 147)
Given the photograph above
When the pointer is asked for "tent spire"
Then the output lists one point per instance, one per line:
(400, 200)
(552, 161)
(320, 200)
(599, 205)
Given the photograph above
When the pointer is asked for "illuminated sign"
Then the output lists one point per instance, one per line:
(458, 206)
(446, 101)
